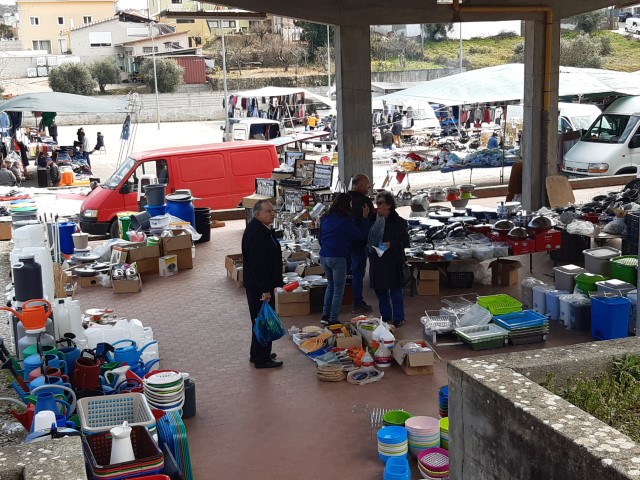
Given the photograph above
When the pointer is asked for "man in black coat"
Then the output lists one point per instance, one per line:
(262, 273)
(360, 186)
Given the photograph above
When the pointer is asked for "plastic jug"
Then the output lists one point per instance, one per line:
(42, 256)
(121, 447)
(75, 318)
(27, 278)
(61, 315)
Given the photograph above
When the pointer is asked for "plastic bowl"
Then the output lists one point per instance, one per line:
(160, 221)
(396, 417)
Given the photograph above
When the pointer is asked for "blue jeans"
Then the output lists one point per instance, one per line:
(391, 304)
(86, 157)
(358, 267)
(335, 269)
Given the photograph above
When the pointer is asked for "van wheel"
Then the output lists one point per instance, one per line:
(114, 230)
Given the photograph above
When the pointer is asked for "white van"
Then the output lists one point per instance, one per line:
(571, 116)
(251, 128)
(611, 146)
(632, 25)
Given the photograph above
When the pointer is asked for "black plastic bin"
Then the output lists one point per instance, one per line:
(44, 180)
(203, 223)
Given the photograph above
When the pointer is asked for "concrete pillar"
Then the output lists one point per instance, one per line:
(353, 75)
(539, 144)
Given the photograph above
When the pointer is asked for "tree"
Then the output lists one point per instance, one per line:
(260, 30)
(237, 47)
(281, 53)
(168, 72)
(6, 31)
(436, 31)
(72, 78)
(105, 71)
(582, 51)
(315, 34)
(589, 22)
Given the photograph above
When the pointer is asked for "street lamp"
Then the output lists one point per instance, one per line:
(211, 23)
(155, 72)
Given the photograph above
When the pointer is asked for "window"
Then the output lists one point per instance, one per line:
(62, 45)
(60, 20)
(213, 24)
(154, 167)
(610, 128)
(229, 23)
(42, 45)
(100, 39)
(34, 21)
(176, 1)
(149, 49)
(185, 20)
(86, 19)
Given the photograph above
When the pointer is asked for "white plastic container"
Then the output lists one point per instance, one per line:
(565, 310)
(565, 276)
(596, 260)
(539, 298)
(552, 299)
(29, 236)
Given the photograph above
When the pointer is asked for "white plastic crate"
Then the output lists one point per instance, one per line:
(97, 414)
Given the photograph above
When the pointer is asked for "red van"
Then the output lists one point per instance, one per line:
(219, 174)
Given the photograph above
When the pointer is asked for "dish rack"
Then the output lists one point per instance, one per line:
(437, 322)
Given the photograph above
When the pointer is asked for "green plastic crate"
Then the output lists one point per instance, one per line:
(500, 304)
(625, 268)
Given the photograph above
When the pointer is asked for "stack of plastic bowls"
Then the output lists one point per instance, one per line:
(422, 433)
(397, 468)
(395, 417)
(443, 401)
(444, 433)
(433, 463)
(164, 390)
(392, 442)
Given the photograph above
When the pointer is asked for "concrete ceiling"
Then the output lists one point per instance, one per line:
(377, 12)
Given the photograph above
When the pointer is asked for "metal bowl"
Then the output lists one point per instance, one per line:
(518, 232)
(541, 223)
(503, 226)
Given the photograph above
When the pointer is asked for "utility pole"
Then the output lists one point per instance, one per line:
(155, 72)
(328, 64)
(224, 79)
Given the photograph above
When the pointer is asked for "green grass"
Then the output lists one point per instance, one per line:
(488, 52)
(613, 398)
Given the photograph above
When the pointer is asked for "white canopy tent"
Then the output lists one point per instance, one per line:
(505, 84)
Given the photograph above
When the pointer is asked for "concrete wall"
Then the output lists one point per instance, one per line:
(16, 67)
(503, 425)
(413, 75)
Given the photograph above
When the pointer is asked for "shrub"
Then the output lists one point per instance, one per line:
(105, 71)
(72, 78)
(168, 72)
(583, 51)
(606, 46)
(479, 50)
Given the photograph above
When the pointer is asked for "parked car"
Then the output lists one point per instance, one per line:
(219, 175)
(632, 25)
(611, 146)
(571, 116)
(622, 16)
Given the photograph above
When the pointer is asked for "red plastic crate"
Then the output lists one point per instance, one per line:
(522, 247)
(550, 240)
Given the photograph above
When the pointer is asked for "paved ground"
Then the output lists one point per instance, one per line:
(278, 424)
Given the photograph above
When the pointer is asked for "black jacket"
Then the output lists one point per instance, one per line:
(387, 269)
(358, 201)
(262, 259)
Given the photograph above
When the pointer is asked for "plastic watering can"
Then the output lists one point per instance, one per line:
(49, 399)
(141, 369)
(34, 319)
(129, 354)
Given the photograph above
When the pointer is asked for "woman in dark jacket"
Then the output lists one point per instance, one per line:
(389, 232)
(337, 231)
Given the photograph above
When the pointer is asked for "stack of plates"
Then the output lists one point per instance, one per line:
(443, 401)
(392, 442)
(433, 463)
(444, 433)
(423, 432)
(164, 390)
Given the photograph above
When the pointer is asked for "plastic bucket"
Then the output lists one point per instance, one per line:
(155, 210)
(586, 282)
(203, 223)
(154, 193)
(609, 317)
(123, 224)
(565, 310)
(182, 210)
(539, 298)
(140, 221)
(67, 229)
(552, 299)
(580, 316)
(80, 240)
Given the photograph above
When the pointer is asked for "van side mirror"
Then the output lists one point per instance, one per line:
(126, 188)
(635, 141)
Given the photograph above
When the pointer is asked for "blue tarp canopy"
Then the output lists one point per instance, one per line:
(63, 103)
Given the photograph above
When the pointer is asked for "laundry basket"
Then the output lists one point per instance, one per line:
(98, 414)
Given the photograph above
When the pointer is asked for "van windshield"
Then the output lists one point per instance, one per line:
(610, 128)
(115, 179)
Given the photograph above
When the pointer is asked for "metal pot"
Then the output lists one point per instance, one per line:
(518, 233)
(540, 223)
(503, 226)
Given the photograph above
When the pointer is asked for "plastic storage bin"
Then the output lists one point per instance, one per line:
(98, 414)
(539, 298)
(609, 317)
(625, 268)
(586, 282)
(552, 299)
(526, 290)
(565, 276)
(580, 316)
(614, 286)
(596, 260)
(633, 312)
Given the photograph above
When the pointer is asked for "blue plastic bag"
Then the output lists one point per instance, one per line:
(268, 327)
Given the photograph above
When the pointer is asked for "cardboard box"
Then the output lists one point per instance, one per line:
(140, 251)
(355, 340)
(233, 266)
(119, 254)
(5, 230)
(185, 261)
(148, 266)
(127, 286)
(289, 304)
(504, 272)
(168, 265)
(251, 200)
(428, 282)
(551, 240)
(86, 282)
(298, 256)
(304, 270)
(420, 363)
(179, 240)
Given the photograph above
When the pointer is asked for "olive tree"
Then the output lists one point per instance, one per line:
(105, 71)
(72, 78)
(168, 72)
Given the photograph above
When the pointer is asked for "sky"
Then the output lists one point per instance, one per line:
(122, 4)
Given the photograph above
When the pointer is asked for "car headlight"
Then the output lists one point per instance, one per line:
(90, 213)
(598, 167)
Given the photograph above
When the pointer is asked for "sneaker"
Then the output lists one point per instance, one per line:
(324, 320)
(364, 308)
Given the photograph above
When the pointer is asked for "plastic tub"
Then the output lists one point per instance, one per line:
(540, 299)
(609, 317)
(156, 210)
(614, 286)
(395, 417)
(625, 268)
(586, 282)
(565, 276)
(565, 310)
(596, 260)
(397, 468)
(67, 229)
(552, 299)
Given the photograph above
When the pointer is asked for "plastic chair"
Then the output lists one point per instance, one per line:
(147, 176)
(102, 149)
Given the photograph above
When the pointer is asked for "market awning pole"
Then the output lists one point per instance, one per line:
(224, 79)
